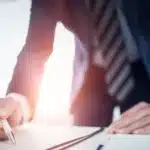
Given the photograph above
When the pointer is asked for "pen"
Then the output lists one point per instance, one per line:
(73, 142)
(8, 131)
(100, 147)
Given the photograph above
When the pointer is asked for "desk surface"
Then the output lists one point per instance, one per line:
(38, 137)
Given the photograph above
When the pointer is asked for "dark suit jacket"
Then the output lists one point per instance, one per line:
(45, 14)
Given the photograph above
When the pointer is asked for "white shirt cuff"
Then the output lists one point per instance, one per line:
(23, 103)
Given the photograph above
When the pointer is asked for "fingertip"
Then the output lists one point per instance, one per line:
(121, 131)
(136, 132)
(143, 104)
(110, 131)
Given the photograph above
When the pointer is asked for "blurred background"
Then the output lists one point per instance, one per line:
(53, 106)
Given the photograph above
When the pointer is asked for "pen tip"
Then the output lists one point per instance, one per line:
(14, 140)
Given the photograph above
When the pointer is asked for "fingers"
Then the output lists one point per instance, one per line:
(10, 110)
(7, 107)
(135, 126)
(2, 133)
(135, 118)
(144, 130)
(132, 115)
(135, 109)
(15, 118)
(132, 118)
(3, 136)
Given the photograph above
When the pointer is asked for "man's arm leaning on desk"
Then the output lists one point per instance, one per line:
(25, 82)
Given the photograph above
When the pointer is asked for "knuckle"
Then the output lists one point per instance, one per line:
(127, 131)
(3, 114)
(10, 100)
(148, 110)
(12, 103)
(143, 104)
(144, 130)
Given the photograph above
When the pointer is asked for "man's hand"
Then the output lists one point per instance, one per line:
(134, 121)
(10, 110)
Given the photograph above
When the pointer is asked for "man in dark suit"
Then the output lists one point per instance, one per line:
(93, 104)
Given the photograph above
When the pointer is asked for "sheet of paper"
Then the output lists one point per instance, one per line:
(128, 142)
(116, 142)
(36, 137)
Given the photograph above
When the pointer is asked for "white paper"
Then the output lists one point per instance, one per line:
(38, 137)
(128, 142)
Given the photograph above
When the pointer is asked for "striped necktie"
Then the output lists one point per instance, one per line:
(112, 49)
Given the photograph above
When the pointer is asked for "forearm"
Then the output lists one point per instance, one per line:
(26, 80)
(30, 65)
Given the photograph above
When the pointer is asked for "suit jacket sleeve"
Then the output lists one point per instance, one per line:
(30, 65)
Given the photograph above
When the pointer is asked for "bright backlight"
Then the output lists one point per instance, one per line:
(53, 106)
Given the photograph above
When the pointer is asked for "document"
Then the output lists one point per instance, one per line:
(39, 137)
(128, 142)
